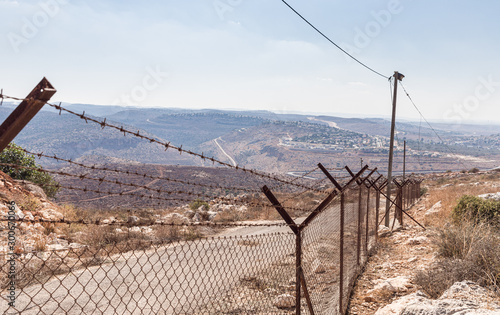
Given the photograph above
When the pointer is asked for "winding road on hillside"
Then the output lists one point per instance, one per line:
(224, 152)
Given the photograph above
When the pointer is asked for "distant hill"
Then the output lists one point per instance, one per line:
(188, 129)
(258, 139)
(70, 137)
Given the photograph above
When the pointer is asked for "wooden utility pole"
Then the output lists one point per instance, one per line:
(25, 111)
(397, 77)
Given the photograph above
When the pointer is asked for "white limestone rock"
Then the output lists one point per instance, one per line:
(284, 301)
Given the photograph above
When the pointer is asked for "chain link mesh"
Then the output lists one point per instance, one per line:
(247, 269)
(220, 275)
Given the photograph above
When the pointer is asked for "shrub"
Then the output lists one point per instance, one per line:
(469, 251)
(474, 170)
(14, 154)
(40, 244)
(476, 209)
(423, 190)
(195, 205)
(167, 234)
(101, 236)
(444, 274)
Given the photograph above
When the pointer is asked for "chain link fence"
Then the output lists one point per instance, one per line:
(307, 265)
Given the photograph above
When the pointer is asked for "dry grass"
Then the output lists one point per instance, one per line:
(69, 212)
(33, 270)
(167, 233)
(49, 228)
(468, 252)
(450, 195)
(40, 244)
(29, 203)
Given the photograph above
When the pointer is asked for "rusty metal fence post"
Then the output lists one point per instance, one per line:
(358, 243)
(25, 111)
(341, 253)
(367, 239)
(377, 211)
(298, 266)
(399, 205)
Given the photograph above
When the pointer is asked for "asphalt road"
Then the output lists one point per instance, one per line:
(173, 279)
(169, 280)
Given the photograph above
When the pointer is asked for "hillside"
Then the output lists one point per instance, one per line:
(32, 204)
(258, 139)
(175, 183)
(70, 137)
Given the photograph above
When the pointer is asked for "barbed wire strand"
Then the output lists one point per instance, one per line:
(121, 193)
(166, 145)
(144, 175)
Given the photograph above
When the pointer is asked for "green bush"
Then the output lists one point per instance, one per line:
(477, 209)
(15, 155)
(474, 170)
(423, 191)
(195, 205)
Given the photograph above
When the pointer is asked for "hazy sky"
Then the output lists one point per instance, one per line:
(257, 54)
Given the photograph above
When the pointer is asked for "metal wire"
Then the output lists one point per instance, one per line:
(168, 145)
(118, 267)
(144, 175)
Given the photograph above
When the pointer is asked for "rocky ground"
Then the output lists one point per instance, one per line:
(31, 203)
(388, 286)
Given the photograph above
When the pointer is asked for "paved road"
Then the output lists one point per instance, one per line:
(169, 280)
(173, 279)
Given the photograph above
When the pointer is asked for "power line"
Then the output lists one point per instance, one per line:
(332, 42)
(430, 126)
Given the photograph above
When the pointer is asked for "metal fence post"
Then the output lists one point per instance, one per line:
(417, 192)
(367, 220)
(358, 245)
(405, 195)
(413, 190)
(341, 267)
(298, 266)
(400, 205)
(25, 111)
(377, 212)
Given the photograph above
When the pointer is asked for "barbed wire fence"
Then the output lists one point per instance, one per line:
(305, 263)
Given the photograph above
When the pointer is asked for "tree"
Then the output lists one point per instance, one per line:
(14, 154)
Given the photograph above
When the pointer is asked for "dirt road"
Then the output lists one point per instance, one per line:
(224, 152)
